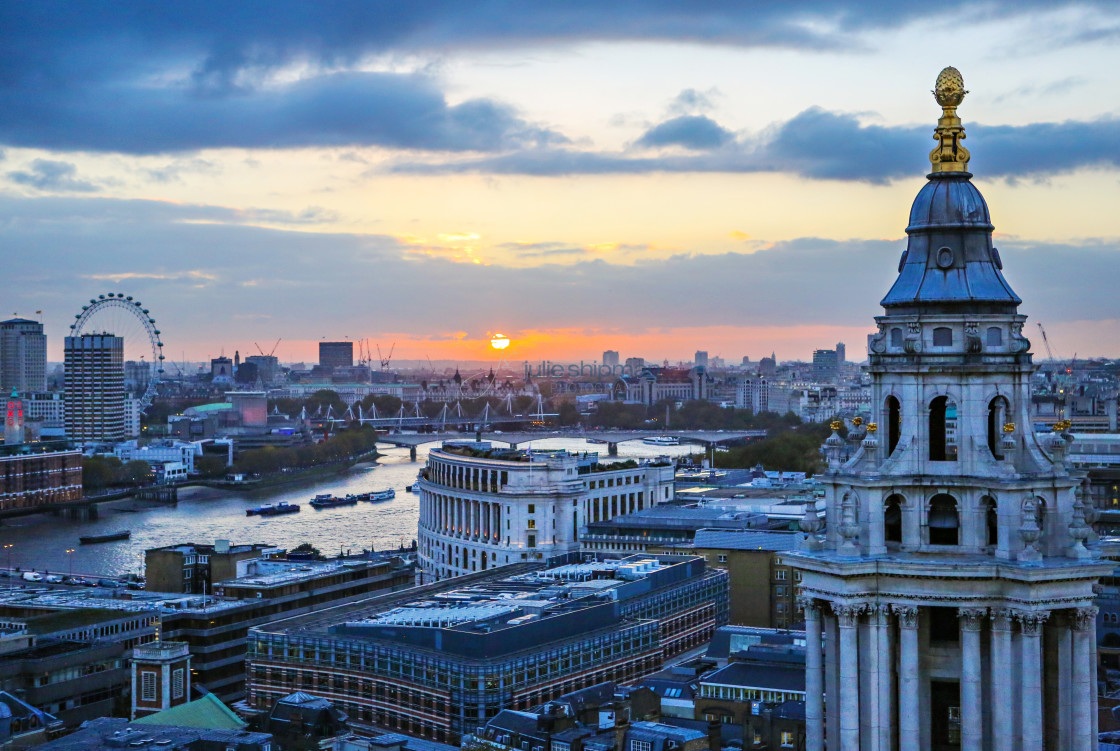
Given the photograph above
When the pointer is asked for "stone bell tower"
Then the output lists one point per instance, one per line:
(949, 604)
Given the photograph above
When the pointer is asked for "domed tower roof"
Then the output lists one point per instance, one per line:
(949, 264)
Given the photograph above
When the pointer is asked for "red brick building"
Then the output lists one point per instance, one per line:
(161, 677)
(39, 474)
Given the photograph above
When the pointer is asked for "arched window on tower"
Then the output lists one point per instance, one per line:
(942, 430)
(944, 521)
(894, 423)
(995, 336)
(896, 337)
(1040, 518)
(892, 518)
(991, 521)
(998, 409)
(943, 336)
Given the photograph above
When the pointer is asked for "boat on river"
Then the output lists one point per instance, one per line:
(123, 534)
(326, 500)
(378, 495)
(270, 510)
(662, 440)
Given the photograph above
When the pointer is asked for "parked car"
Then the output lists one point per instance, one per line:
(110, 583)
(32, 576)
(53, 578)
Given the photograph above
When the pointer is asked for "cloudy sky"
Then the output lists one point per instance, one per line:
(653, 177)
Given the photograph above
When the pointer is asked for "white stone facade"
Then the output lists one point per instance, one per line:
(950, 602)
(479, 512)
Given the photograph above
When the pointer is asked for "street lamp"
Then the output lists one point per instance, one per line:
(70, 558)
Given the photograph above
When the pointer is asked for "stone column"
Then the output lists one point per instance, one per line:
(972, 696)
(1002, 737)
(832, 679)
(1030, 661)
(1094, 713)
(881, 701)
(909, 725)
(848, 616)
(1084, 680)
(814, 677)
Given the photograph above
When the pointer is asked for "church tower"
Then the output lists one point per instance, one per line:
(949, 604)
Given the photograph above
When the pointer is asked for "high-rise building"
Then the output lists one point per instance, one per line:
(701, 359)
(826, 365)
(950, 604)
(95, 397)
(23, 356)
(841, 353)
(634, 365)
(610, 358)
(336, 354)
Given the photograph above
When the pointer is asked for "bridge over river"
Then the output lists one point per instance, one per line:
(611, 438)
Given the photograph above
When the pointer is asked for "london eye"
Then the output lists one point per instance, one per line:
(123, 316)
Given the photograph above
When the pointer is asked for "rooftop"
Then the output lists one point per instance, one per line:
(111, 732)
(766, 676)
(59, 621)
(277, 573)
(744, 539)
(504, 610)
(208, 712)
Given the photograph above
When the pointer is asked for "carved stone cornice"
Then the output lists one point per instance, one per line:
(1030, 621)
(1083, 619)
(907, 615)
(972, 618)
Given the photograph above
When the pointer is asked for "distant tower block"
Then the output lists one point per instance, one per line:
(161, 677)
(949, 602)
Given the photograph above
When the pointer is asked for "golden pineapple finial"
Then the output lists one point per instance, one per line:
(949, 155)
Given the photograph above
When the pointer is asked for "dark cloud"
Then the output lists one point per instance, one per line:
(825, 145)
(157, 77)
(342, 109)
(695, 132)
(50, 176)
(221, 275)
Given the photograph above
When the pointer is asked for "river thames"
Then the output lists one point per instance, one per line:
(203, 515)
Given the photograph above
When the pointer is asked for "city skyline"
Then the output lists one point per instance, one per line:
(649, 180)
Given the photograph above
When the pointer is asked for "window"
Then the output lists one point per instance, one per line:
(894, 423)
(532, 508)
(780, 574)
(998, 409)
(779, 591)
(532, 524)
(892, 519)
(944, 522)
(723, 559)
(204, 559)
(787, 739)
(532, 541)
(995, 336)
(896, 337)
(991, 518)
(640, 746)
(177, 684)
(943, 336)
(942, 430)
(187, 573)
(148, 686)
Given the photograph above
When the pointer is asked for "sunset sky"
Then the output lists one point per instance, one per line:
(651, 177)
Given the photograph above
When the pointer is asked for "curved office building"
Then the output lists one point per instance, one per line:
(482, 507)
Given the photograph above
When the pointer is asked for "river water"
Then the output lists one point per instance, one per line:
(203, 515)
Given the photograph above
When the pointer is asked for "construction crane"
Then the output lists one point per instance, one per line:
(1046, 341)
(270, 354)
(386, 359)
